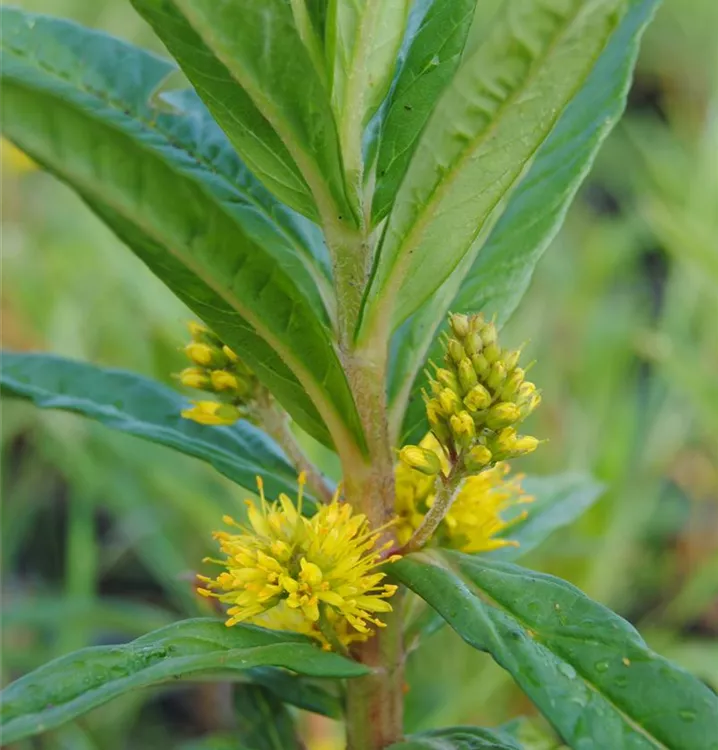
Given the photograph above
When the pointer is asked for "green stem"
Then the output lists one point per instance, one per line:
(447, 491)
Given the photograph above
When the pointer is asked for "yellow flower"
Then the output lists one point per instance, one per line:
(475, 518)
(318, 576)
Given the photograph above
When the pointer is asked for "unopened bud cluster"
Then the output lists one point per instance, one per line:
(477, 400)
(218, 370)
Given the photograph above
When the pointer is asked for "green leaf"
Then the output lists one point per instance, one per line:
(458, 738)
(299, 691)
(78, 103)
(587, 670)
(246, 53)
(248, 129)
(363, 41)
(497, 278)
(263, 722)
(430, 64)
(499, 108)
(74, 684)
(139, 406)
(558, 501)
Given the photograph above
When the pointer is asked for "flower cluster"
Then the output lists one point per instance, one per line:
(217, 369)
(318, 575)
(477, 400)
(474, 520)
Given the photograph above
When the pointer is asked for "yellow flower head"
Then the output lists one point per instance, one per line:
(212, 413)
(318, 575)
(474, 519)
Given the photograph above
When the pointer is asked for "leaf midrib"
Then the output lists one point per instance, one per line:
(339, 432)
(409, 244)
(485, 597)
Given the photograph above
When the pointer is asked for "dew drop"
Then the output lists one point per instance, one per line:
(567, 670)
(687, 714)
(601, 666)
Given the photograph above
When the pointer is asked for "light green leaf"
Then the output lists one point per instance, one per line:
(430, 64)
(458, 738)
(503, 267)
(74, 684)
(558, 501)
(498, 110)
(363, 41)
(231, 106)
(261, 53)
(587, 670)
(263, 721)
(139, 406)
(78, 103)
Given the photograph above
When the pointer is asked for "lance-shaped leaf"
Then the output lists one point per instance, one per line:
(430, 64)
(70, 686)
(458, 738)
(248, 129)
(248, 59)
(587, 670)
(363, 41)
(79, 103)
(139, 406)
(496, 279)
(499, 108)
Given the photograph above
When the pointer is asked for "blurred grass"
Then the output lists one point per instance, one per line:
(101, 533)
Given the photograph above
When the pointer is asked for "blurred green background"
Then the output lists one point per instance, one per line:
(101, 533)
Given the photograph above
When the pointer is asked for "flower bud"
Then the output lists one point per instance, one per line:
(478, 398)
(528, 406)
(447, 379)
(505, 441)
(212, 413)
(421, 459)
(204, 354)
(194, 377)
(455, 351)
(525, 444)
(488, 333)
(511, 359)
(224, 381)
(492, 352)
(463, 429)
(450, 402)
(473, 343)
(202, 335)
(481, 365)
(478, 457)
(502, 415)
(496, 376)
(512, 385)
(231, 356)
(459, 325)
(467, 375)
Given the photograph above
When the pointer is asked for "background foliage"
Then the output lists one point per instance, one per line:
(101, 533)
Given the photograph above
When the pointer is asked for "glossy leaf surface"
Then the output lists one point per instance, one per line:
(458, 738)
(498, 110)
(139, 406)
(74, 684)
(498, 277)
(586, 669)
(79, 103)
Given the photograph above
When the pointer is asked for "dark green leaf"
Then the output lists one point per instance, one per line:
(503, 267)
(263, 722)
(558, 501)
(587, 670)
(300, 692)
(247, 128)
(458, 738)
(497, 111)
(79, 103)
(72, 685)
(430, 64)
(145, 408)
(248, 59)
